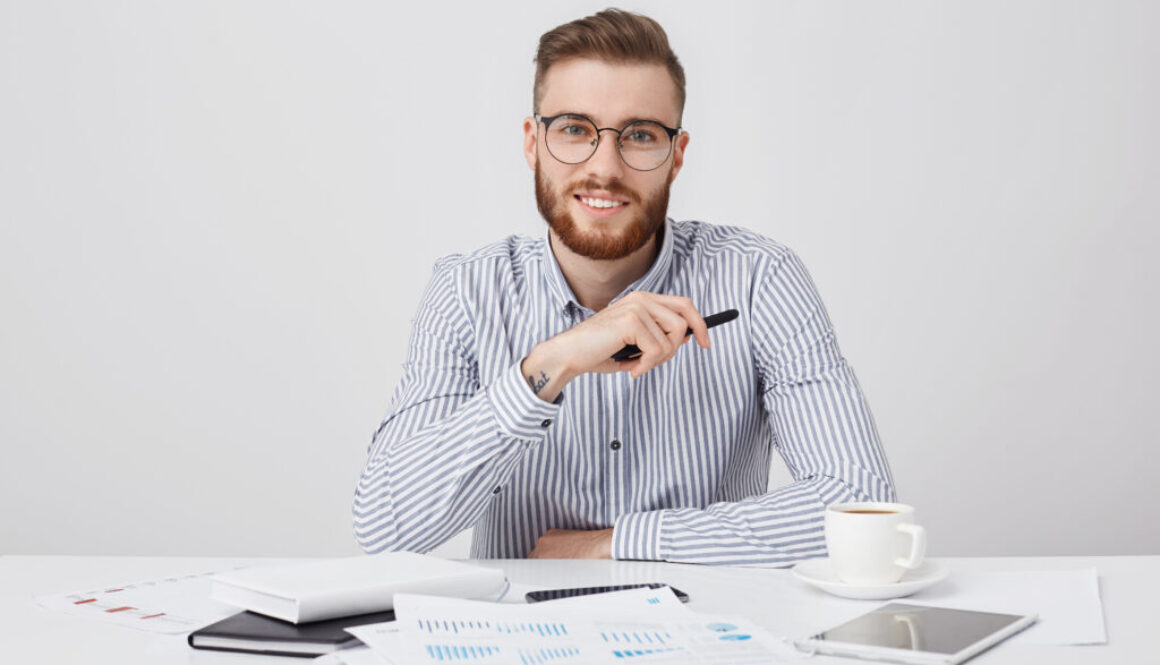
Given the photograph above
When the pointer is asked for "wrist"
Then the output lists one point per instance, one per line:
(547, 370)
(604, 545)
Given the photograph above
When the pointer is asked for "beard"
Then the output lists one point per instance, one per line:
(601, 244)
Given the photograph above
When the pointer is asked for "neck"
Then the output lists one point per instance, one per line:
(596, 283)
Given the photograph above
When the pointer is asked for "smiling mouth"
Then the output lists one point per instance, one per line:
(602, 204)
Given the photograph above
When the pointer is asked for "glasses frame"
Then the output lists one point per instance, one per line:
(549, 119)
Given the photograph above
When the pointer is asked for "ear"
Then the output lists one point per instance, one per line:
(530, 126)
(682, 142)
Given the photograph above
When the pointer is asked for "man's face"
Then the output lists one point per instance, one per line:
(602, 208)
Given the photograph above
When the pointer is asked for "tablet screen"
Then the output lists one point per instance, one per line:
(916, 628)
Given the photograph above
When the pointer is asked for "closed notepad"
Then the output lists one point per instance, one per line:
(353, 585)
(254, 633)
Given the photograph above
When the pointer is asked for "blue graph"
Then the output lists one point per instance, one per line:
(445, 653)
(541, 656)
(634, 637)
(444, 627)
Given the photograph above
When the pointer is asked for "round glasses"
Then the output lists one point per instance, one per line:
(572, 138)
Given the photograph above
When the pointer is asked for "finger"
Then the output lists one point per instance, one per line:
(673, 326)
(672, 323)
(693, 319)
(654, 344)
(688, 311)
(670, 320)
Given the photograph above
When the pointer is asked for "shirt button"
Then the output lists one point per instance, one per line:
(615, 445)
(547, 421)
(497, 489)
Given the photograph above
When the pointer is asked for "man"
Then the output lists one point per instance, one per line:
(512, 416)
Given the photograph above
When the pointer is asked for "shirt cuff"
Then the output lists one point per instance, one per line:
(638, 536)
(518, 411)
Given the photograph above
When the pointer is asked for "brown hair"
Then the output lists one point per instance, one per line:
(614, 36)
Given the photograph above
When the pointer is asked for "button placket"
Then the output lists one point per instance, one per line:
(618, 389)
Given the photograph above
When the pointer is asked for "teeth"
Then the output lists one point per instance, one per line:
(601, 203)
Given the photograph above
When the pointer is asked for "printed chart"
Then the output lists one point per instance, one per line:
(627, 628)
(176, 604)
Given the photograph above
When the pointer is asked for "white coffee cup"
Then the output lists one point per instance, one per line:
(873, 543)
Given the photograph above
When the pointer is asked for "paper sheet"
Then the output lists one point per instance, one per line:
(177, 604)
(1067, 602)
(360, 655)
(388, 642)
(605, 628)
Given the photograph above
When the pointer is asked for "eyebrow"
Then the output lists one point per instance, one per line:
(620, 126)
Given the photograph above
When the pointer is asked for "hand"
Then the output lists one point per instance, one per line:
(573, 544)
(654, 322)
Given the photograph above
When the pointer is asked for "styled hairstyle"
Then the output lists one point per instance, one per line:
(614, 36)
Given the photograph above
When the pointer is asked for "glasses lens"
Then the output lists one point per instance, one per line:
(571, 139)
(644, 145)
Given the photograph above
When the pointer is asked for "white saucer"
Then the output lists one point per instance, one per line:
(819, 573)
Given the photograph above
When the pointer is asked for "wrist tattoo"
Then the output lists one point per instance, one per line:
(538, 385)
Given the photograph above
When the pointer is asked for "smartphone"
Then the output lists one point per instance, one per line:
(556, 594)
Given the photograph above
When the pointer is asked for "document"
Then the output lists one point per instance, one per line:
(360, 655)
(608, 628)
(175, 604)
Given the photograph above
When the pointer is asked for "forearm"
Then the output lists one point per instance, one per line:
(833, 459)
(422, 486)
(657, 324)
(779, 528)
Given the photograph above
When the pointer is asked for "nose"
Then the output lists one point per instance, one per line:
(606, 161)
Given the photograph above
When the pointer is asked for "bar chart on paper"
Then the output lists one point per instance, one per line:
(626, 628)
(627, 644)
(477, 652)
(176, 604)
(446, 653)
(469, 628)
(637, 637)
(621, 644)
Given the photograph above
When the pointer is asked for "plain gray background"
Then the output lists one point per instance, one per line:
(216, 220)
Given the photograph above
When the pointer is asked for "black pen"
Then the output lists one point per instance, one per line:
(632, 351)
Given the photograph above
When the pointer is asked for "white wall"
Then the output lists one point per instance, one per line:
(216, 219)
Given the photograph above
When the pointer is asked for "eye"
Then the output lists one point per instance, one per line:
(572, 129)
(642, 135)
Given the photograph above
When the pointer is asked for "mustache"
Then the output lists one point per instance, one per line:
(612, 187)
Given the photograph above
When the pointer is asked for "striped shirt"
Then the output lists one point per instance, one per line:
(677, 461)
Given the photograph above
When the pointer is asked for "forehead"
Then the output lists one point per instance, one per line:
(610, 94)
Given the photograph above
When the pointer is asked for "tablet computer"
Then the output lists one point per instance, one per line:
(904, 633)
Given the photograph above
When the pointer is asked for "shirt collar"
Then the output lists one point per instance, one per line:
(652, 281)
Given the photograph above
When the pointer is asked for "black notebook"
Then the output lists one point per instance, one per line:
(256, 633)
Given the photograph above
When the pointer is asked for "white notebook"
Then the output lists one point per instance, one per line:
(301, 592)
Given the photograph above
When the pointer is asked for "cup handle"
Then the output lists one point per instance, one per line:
(917, 546)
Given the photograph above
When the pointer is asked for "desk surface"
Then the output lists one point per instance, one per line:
(1129, 587)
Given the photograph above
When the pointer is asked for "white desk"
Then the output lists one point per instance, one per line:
(1130, 588)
